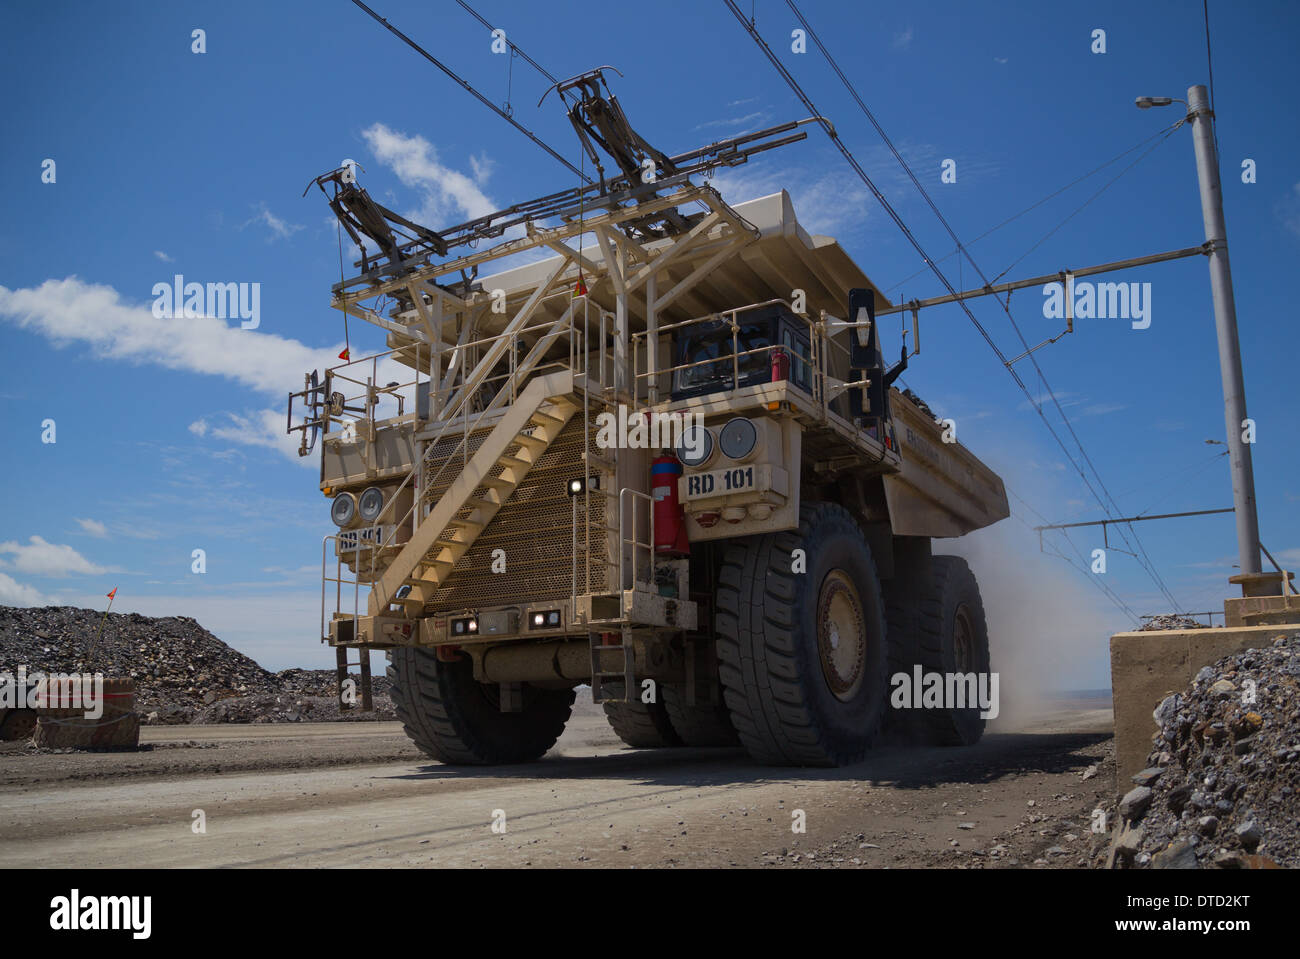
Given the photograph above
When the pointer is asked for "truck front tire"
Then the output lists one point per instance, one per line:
(802, 645)
(704, 724)
(456, 719)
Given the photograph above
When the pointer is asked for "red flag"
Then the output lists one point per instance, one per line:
(344, 355)
(113, 593)
(581, 288)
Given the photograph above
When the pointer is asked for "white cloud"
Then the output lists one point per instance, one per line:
(13, 593)
(449, 195)
(162, 256)
(49, 559)
(732, 121)
(199, 427)
(903, 41)
(1101, 409)
(93, 527)
(482, 166)
(72, 311)
(833, 200)
(261, 428)
(279, 228)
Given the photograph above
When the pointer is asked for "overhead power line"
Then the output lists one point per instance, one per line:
(795, 87)
(1144, 560)
(469, 88)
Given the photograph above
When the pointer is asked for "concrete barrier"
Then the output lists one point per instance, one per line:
(1145, 667)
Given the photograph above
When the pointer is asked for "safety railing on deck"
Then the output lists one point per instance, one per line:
(459, 417)
(820, 345)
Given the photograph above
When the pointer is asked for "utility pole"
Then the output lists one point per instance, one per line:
(1225, 322)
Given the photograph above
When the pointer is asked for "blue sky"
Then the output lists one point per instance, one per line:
(169, 161)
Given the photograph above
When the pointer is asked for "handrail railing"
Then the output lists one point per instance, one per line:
(624, 541)
(457, 417)
(816, 336)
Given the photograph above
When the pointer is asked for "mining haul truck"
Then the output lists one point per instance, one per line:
(668, 463)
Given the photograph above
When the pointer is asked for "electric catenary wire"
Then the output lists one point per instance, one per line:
(468, 87)
(1033, 206)
(1144, 561)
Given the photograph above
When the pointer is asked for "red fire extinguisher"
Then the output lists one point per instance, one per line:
(780, 365)
(670, 518)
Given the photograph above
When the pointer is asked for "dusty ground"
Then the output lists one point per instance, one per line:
(349, 795)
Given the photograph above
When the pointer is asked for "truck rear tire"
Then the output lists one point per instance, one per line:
(642, 725)
(456, 719)
(802, 655)
(704, 724)
(953, 638)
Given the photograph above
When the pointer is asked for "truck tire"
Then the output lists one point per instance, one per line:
(642, 725)
(704, 724)
(803, 655)
(457, 720)
(904, 595)
(953, 638)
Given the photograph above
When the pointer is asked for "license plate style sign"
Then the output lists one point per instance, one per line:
(352, 539)
(723, 482)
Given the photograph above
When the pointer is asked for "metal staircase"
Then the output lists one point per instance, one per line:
(528, 427)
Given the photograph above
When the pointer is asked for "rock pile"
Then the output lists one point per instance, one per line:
(1171, 621)
(1223, 779)
(183, 673)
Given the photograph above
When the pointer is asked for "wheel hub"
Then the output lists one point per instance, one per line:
(841, 634)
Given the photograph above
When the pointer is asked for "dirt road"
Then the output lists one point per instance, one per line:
(361, 795)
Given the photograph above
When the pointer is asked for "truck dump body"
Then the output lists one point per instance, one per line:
(942, 489)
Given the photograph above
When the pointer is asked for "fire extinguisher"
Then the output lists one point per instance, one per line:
(780, 365)
(670, 518)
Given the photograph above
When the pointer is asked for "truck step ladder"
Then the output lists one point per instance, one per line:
(341, 658)
(601, 675)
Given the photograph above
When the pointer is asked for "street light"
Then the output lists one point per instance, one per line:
(1201, 117)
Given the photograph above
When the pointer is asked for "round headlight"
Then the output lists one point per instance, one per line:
(695, 446)
(344, 509)
(738, 438)
(371, 504)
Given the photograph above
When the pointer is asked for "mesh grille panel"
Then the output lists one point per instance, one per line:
(535, 529)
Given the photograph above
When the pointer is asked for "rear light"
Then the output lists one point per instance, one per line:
(544, 619)
(708, 520)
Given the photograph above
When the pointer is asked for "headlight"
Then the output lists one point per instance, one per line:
(695, 448)
(371, 504)
(343, 510)
(738, 438)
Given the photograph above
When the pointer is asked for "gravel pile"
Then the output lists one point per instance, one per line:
(1171, 621)
(183, 673)
(1223, 780)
